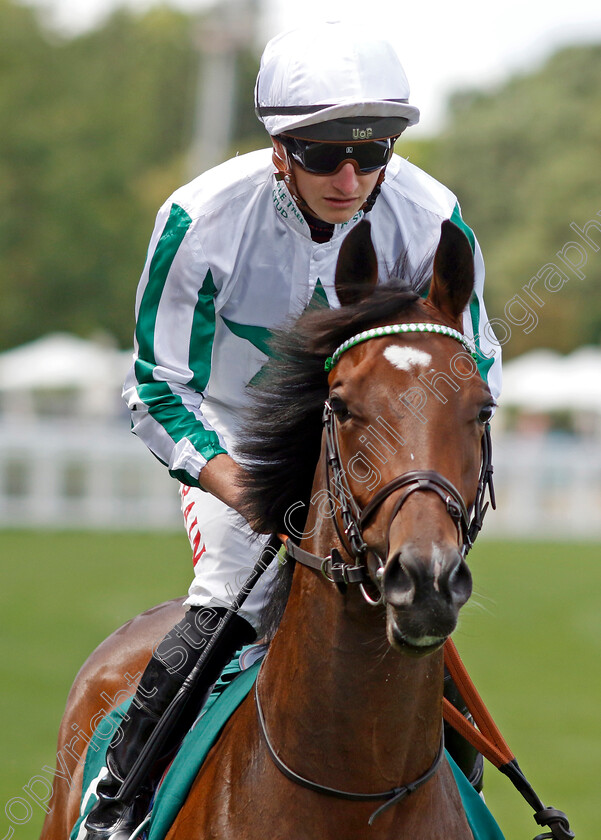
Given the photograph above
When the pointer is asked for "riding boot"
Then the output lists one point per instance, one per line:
(467, 757)
(114, 817)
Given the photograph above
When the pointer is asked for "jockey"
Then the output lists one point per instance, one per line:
(236, 253)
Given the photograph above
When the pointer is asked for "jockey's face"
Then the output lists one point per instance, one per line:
(337, 197)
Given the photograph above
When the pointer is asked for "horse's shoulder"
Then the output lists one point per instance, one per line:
(234, 765)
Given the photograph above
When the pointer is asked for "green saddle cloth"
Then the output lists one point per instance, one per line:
(230, 691)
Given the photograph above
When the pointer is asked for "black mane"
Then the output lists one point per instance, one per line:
(280, 446)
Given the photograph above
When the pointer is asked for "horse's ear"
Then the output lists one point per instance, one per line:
(357, 266)
(453, 279)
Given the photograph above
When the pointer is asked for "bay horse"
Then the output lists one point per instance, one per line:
(379, 492)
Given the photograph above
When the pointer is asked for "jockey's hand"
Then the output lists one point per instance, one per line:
(222, 477)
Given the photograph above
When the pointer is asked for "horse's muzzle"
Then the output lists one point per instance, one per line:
(423, 593)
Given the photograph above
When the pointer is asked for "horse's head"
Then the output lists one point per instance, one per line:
(405, 420)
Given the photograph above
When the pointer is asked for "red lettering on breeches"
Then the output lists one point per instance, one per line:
(193, 530)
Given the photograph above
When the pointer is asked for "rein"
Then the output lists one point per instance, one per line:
(392, 796)
(485, 736)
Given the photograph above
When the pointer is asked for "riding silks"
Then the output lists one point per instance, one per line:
(234, 685)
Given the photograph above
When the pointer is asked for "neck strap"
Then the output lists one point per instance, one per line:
(392, 797)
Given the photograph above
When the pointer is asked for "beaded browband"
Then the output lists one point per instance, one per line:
(397, 329)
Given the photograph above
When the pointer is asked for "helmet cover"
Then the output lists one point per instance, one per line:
(332, 71)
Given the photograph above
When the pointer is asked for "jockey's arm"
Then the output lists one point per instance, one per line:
(221, 476)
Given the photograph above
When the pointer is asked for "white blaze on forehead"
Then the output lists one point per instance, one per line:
(404, 358)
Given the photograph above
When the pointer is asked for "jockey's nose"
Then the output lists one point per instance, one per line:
(346, 180)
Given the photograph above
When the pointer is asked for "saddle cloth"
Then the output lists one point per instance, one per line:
(231, 689)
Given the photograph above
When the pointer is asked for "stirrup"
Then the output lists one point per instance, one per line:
(140, 829)
(126, 827)
(112, 819)
(135, 834)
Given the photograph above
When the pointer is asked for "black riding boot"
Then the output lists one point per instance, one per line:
(115, 818)
(467, 757)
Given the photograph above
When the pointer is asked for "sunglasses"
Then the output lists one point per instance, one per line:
(328, 158)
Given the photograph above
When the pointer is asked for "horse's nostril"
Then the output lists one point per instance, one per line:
(399, 583)
(412, 576)
(456, 581)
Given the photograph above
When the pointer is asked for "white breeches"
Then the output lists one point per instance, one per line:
(224, 553)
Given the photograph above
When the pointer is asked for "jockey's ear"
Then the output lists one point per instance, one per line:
(453, 278)
(357, 266)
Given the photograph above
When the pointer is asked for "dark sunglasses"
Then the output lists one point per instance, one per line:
(327, 158)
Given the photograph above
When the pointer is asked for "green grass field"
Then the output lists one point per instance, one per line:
(531, 637)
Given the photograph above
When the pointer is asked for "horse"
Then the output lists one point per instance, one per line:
(373, 470)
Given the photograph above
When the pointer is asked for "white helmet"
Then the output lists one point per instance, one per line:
(330, 73)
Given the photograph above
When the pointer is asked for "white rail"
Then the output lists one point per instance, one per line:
(81, 475)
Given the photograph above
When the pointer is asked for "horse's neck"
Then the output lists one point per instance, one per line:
(341, 706)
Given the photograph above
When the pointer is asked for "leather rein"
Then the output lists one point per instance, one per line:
(392, 796)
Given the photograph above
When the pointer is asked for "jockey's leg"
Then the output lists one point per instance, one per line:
(467, 757)
(174, 658)
(224, 552)
(170, 664)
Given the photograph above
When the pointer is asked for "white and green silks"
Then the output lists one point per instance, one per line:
(230, 259)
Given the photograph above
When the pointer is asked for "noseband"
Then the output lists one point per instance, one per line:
(354, 518)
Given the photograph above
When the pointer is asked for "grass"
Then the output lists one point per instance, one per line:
(531, 638)
(61, 595)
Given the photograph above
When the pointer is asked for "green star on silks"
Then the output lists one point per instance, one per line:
(260, 337)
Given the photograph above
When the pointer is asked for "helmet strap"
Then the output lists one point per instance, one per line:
(371, 198)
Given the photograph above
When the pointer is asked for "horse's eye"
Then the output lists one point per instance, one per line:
(339, 408)
(487, 412)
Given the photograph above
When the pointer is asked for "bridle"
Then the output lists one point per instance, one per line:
(340, 572)
(354, 518)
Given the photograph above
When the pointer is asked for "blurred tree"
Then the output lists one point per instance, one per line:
(95, 135)
(524, 161)
(26, 70)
